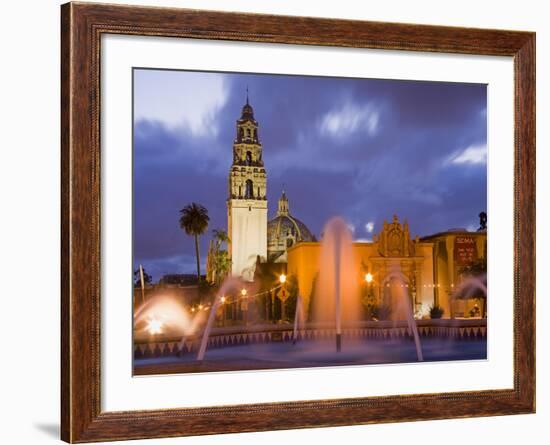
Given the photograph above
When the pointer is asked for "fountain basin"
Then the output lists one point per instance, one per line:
(271, 346)
(314, 353)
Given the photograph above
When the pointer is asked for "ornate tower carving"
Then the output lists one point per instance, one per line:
(282, 209)
(395, 240)
(247, 201)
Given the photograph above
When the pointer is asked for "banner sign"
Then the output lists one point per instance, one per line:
(465, 250)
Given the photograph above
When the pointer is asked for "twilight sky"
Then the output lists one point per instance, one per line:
(360, 148)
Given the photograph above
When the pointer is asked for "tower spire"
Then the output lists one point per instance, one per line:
(282, 209)
(248, 112)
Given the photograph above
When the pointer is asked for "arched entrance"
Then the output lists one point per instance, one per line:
(396, 294)
(249, 189)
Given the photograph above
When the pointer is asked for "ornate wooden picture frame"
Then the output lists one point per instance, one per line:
(82, 26)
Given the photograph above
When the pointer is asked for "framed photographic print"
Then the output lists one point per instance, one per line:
(279, 222)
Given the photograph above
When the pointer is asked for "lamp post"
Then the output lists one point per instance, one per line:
(282, 295)
(337, 296)
(142, 280)
(369, 278)
(244, 305)
(222, 301)
(273, 306)
(369, 297)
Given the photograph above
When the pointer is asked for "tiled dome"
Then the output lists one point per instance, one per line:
(284, 231)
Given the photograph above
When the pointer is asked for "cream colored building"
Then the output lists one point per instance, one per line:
(247, 200)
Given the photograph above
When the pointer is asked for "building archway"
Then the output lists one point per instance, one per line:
(396, 293)
(249, 189)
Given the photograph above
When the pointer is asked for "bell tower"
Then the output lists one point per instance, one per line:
(247, 200)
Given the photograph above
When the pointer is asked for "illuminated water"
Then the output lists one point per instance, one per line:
(317, 353)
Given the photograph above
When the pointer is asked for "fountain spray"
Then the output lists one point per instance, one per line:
(228, 285)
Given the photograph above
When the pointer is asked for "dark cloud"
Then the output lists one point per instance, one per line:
(394, 159)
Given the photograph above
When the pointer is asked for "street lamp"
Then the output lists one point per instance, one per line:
(369, 280)
(272, 292)
(222, 301)
(244, 305)
(282, 295)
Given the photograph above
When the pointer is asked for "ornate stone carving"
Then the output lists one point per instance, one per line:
(394, 240)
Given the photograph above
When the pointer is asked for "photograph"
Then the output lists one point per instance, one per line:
(292, 221)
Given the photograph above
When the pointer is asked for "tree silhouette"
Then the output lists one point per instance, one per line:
(194, 221)
(147, 279)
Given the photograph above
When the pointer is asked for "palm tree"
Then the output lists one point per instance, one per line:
(194, 221)
(220, 236)
(222, 262)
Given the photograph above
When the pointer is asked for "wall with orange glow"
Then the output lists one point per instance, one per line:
(303, 263)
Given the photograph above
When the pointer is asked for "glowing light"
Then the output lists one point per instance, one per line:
(223, 299)
(368, 277)
(200, 307)
(154, 326)
(243, 292)
(192, 309)
(282, 279)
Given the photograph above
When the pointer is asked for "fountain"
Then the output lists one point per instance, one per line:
(163, 313)
(337, 332)
(229, 284)
(337, 286)
(339, 290)
(473, 287)
(402, 307)
(299, 318)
